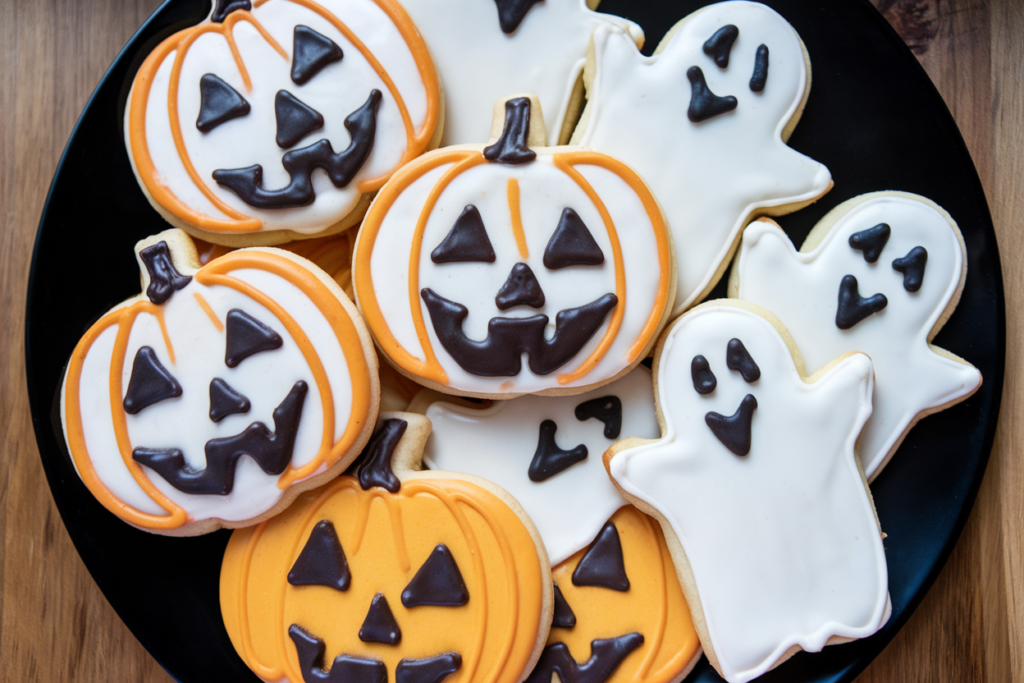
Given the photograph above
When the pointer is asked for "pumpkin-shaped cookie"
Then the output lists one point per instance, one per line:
(423, 576)
(218, 394)
(275, 120)
(503, 270)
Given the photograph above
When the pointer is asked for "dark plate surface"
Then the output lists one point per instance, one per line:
(873, 118)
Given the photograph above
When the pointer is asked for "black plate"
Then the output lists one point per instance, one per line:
(873, 118)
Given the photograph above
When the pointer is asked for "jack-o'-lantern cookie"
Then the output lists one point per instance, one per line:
(219, 393)
(486, 49)
(275, 120)
(758, 489)
(425, 576)
(880, 274)
(507, 269)
(705, 122)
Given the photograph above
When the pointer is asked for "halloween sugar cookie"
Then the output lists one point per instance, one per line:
(510, 269)
(757, 487)
(546, 451)
(880, 274)
(705, 122)
(275, 120)
(389, 573)
(485, 50)
(219, 393)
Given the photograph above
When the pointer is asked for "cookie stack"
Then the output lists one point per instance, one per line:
(405, 357)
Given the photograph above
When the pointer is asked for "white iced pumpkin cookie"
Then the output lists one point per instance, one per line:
(219, 393)
(619, 613)
(880, 274)
(757, 487)
(510, 269)
(705, 122)
(275, 120)
(434, 576)
(485, 50)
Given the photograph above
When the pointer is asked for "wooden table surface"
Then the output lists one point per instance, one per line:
(55, 625)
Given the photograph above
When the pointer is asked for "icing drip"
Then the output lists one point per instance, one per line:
(380, 626)
(520, 289)
(606, 655)
(871, 241)
(563, 616)
(247, 336)
(341, 168)
(500, 354)
(572, 244)
(912, 266)
(438, 582)
(853, 308)
(164, 278)
(150, 382)
(705, 104)
(224, 400)
(430, 670)
(311, 52)
(225, 7)
(603, 565)
(295, 119)
(511, 147)
(704, 381)
(719, 45)
(760, 75)
(738, 358)
(345, 669)
(607, 409)
(322, 561)
(272, 451)
(374, 463)
(466, 242)
(512, 12)
(549, 459)
(218, 103)
(734, 431)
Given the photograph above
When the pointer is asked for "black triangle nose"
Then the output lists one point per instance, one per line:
(380, 625)
(520, 289)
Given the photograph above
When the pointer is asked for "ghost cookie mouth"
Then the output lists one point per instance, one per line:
(500, 353)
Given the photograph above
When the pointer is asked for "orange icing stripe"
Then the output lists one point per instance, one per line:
(517, 219)
(209, 311)
(362, 275)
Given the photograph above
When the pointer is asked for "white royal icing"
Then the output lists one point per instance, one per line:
(336, 91)
(803, 290)
(783, 543)
(479, 64)
(710, 177)
(199, 356)
(545, 191)
(498, 443)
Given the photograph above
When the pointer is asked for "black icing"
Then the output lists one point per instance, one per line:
(512, 12)
(734, 430)
(311, 52)
(345, 669)
(222, 8)
(438, 582)
(218, 103)
(467, 241)
(549, 459)
(512, 147)
(429, 670)
(150, 382)
(853, 307)
(760, 75)
(246, 336)
(322, 561)
(871, 241)
(606, 654)
(224, 400)
(705, 104)
(738, 358)
(562, 616)
(374, 466)
(719, 45)
(520, 289)
(380, 626)
(295, 119)
(164, 278)
(704, 381)
(572, 244)
(602, 565)
(607, 409)
(912, 266)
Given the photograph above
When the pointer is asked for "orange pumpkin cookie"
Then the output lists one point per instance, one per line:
(434, 576)
(619, 603)
(275, 120)
(474, 259)
(219, 393)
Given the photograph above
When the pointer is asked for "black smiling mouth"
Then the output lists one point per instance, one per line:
(500, 353)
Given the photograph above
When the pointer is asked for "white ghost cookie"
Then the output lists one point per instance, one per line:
(485, 50)
(705, 121)
(757, 487)
(881, 274)
(276, 120)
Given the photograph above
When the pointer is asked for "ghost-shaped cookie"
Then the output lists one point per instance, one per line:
(880, 274)
(756, 484)
(705, 122)
(546, 451)
(486, 49)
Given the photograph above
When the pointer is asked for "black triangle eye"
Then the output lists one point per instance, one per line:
(150, 382)
(467, 241)
(218, 103)
(572, 244)
(322, 562)
(295, 119)
(603, 565)
(438, 582)
(247, 336)
(312, 52)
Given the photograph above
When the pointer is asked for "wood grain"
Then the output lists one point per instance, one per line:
(55, 626)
